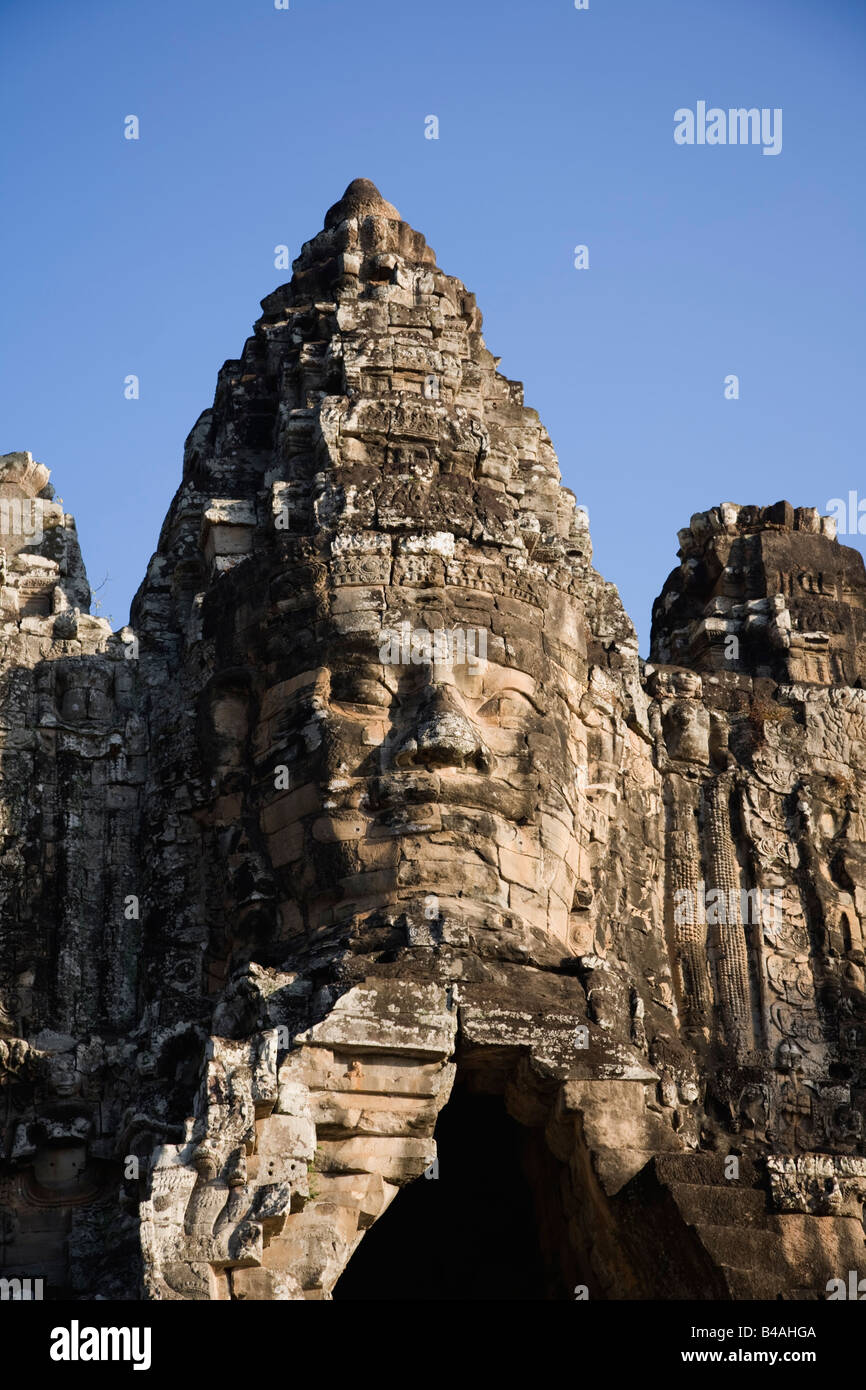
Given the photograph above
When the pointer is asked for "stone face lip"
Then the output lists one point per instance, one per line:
(361, 199)
(301, 876)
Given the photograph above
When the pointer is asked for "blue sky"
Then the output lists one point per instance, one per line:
(556, 129)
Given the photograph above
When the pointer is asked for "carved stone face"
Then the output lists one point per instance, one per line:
(443, 789)
(63, 1076)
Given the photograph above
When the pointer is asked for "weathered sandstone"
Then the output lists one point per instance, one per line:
(278, 900)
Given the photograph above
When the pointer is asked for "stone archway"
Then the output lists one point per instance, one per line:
(478, 1229)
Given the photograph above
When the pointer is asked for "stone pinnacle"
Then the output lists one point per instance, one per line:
(361, 199)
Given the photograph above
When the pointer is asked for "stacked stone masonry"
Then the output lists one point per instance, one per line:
(278, 880)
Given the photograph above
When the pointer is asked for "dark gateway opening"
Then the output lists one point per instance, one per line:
(471, 1233)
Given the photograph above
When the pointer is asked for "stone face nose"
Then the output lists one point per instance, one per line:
(444, 738)
(361, 199)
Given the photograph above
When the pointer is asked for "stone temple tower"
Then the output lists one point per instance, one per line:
(372, 850)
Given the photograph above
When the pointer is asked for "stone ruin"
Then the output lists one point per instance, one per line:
(297, 907)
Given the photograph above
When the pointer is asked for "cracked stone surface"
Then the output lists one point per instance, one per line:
(280, 870)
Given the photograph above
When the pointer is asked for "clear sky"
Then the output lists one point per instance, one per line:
(556, 128)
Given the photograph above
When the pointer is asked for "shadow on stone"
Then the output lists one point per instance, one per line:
(471, 1233)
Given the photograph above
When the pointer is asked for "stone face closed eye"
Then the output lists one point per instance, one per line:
(508, 704)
